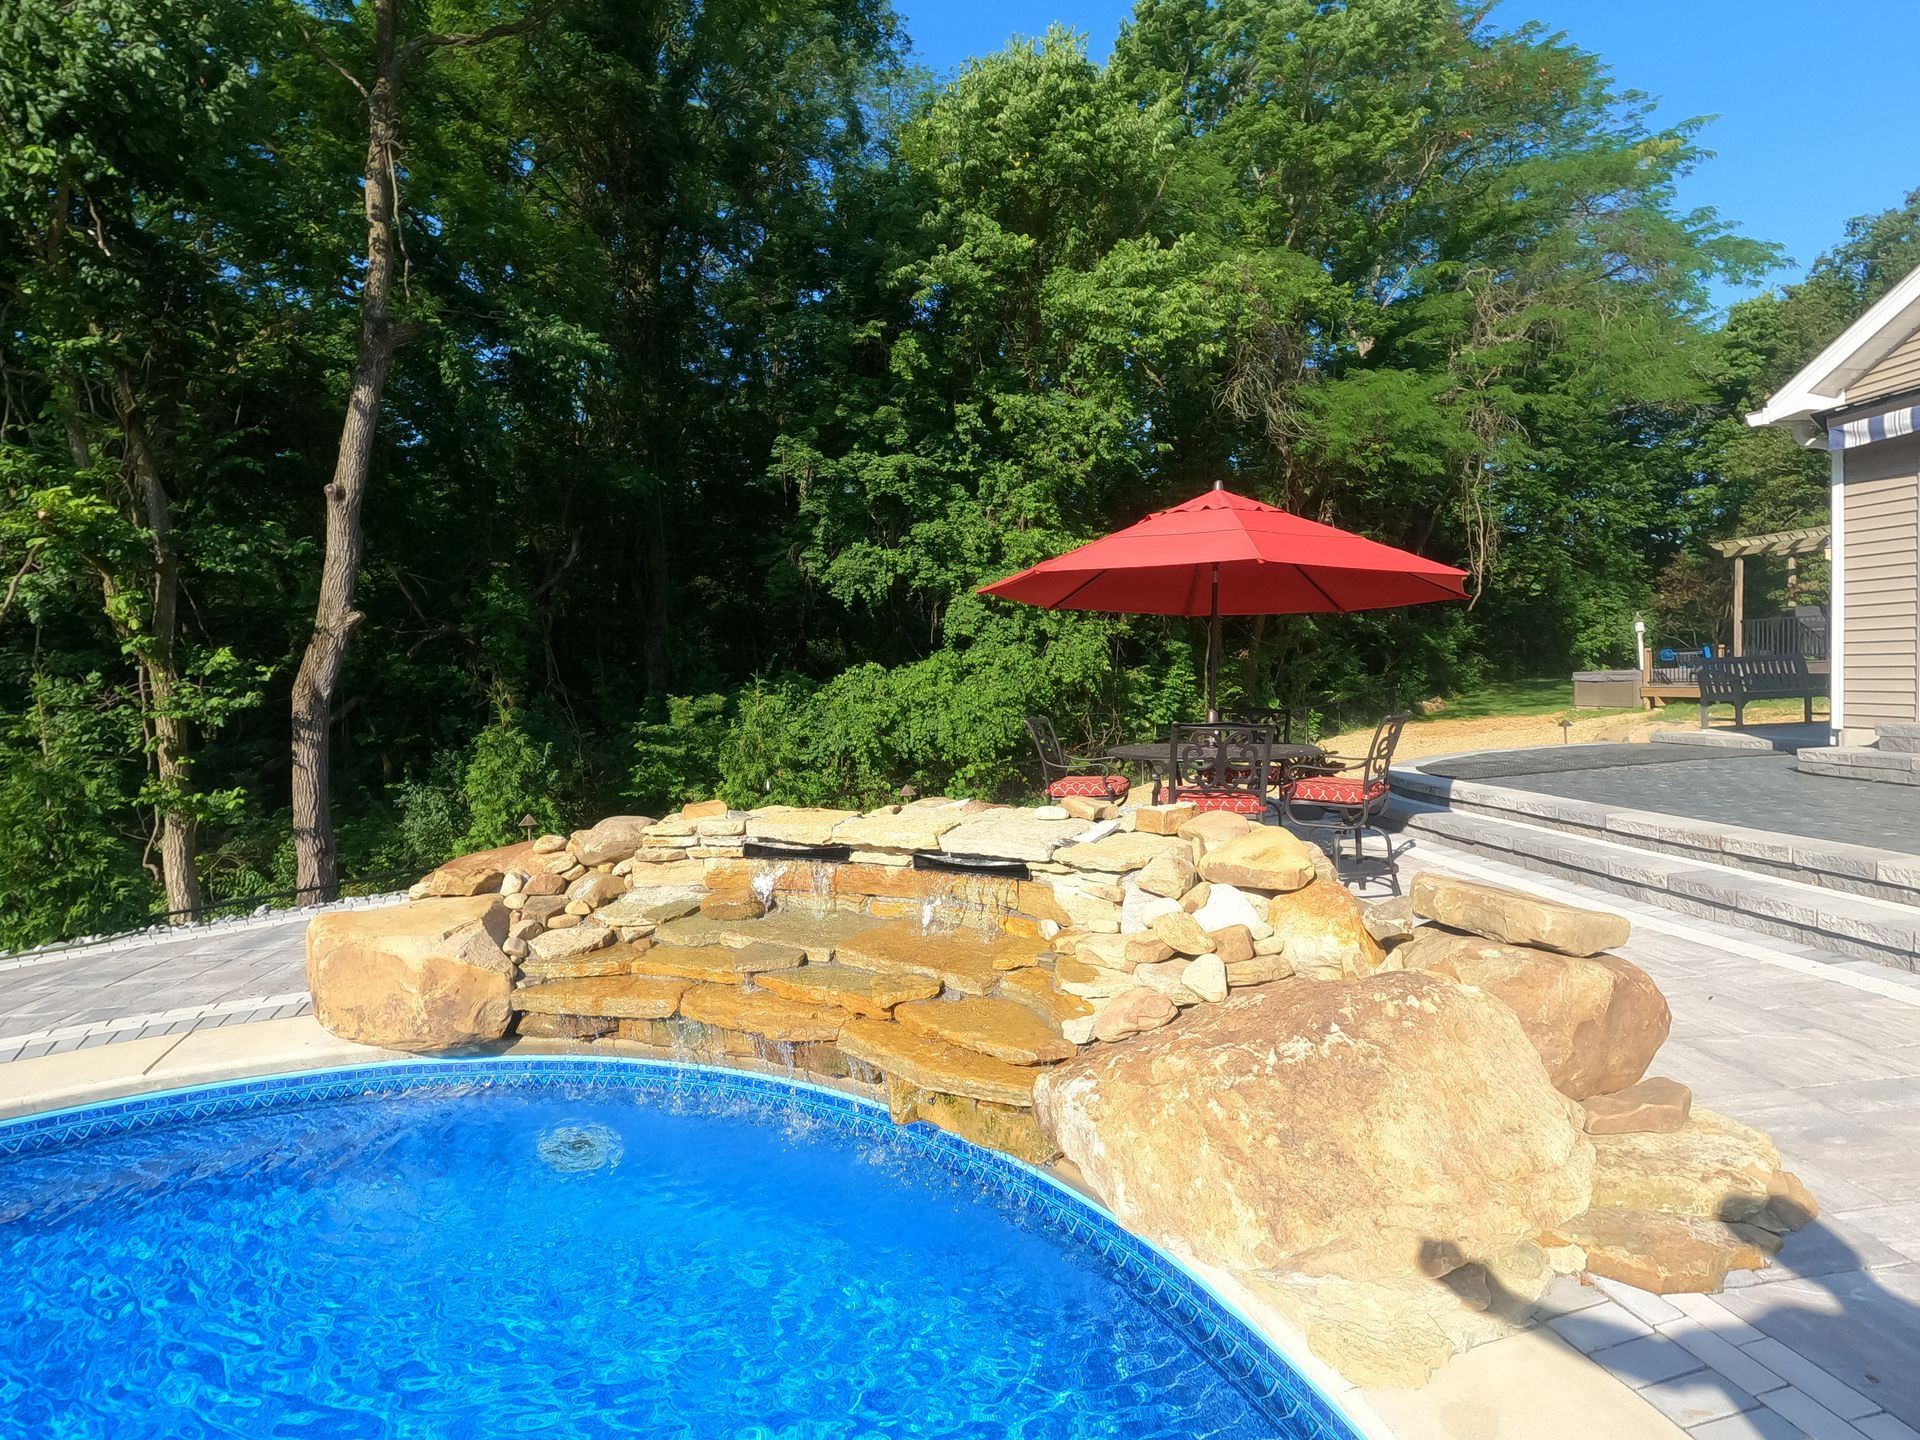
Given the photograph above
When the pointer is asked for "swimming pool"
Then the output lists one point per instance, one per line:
(573, 1247)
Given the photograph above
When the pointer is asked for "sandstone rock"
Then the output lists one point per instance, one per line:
(514, 947)
(563, 1027)
(1233, 945)
(623, 997)
(1034, 987)
(1003, 1029)
(1387, 1333)
(1195, 900)
(1665, 1253)
(756, 1012)
(565, 919)
(1261, 970)
(967, 963)
(1228, 905)
(1119, 852)
(1139, 910)
(1712, 1168)
(614, 838)
(1009, 835)
(617, 959)
(478, 874)
(542, 884)
(1170, 874)
(1657, 1106)
(1169, 977)
(549, 844)
(1182, 933)
(1211, 828)
(1516, 918)
(816, 936)
(428, 975)
(1050, 812)
(1596, 1021)
(862, 992)
(997, 1127)
(1163, 819)
(1523, 1272)
(796, 825)
(1131, 1013)
(576, 939)
(1322, 932)
(653, 904)
(1080, 807)
(1085, 911)
(703, 809)
(741, 905)
(1089, 981)
(1207, 977)
(716, 964)
(935, 1065)
(909, 827)
(1123, 952)
(1331, 1129)
(720, 827)
(1390, 920)
(596, 890)
(1265, 858)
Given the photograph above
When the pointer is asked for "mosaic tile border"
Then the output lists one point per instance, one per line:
(1212, 1326)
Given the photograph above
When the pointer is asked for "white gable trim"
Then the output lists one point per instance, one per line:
(1822, 385)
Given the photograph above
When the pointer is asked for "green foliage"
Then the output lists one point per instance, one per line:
(742, 355)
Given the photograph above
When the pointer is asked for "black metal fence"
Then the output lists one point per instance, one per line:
(1804, 635)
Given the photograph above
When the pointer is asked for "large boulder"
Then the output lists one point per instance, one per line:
(1323, 933)
(1596, 1020)
(1264, 858)
(613, 839)
(429, 975)
(477, 874)
(1712, 1168)
(1362, 1128)
(1516, 918)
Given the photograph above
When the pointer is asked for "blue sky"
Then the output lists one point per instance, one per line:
(1817, 103)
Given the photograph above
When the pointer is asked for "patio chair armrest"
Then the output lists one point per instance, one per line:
(1091, 764)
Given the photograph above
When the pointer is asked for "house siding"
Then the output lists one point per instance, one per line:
(1881, 500)
(1897, 373)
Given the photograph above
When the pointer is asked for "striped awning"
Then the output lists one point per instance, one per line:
(1852, 434)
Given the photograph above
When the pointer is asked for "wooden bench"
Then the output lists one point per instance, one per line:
(1737, 679)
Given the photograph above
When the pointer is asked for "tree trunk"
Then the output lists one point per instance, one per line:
(172, 735)
(317, 859)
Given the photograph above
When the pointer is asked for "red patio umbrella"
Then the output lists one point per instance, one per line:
(1223, 554)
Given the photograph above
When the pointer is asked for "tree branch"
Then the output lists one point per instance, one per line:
(415, 47)
(341, 70)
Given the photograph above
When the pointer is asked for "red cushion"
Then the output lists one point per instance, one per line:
(1335, 790)
(1094, 787)
(1241, 802)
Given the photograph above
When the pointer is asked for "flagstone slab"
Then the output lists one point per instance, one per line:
(935, 1065)
(648, 904)
(795, 825)
(863, 992)
(969, 963)
(716, 964)
(1035, 988)
(1004, 1029)
(898, 827)
(1010, 835)
(1120, 852)
(621, 997)
(617, 959)
(815, 936)
(757, 1012)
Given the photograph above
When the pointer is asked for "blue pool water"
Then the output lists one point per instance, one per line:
(583, 1249)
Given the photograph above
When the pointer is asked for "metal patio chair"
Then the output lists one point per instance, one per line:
(1347, 803)
(1219, 767)
(1095, 777)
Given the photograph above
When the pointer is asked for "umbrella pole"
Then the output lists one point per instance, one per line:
(1213, 653)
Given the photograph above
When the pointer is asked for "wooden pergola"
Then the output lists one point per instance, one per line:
(1779, 544)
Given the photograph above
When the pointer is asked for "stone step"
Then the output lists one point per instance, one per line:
(1902, 739)
(758, 1012)
(1846, 924)
(1861, 762)
(1864, 870)
(863, 992)
(618, 997)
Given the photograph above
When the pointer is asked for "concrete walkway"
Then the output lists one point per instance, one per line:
(1823, 1053)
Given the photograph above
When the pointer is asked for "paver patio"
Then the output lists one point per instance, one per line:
(1823, 1053)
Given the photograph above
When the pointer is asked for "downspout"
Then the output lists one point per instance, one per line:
(1837, 592)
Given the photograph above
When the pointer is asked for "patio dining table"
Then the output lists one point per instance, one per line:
(1154, 753)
